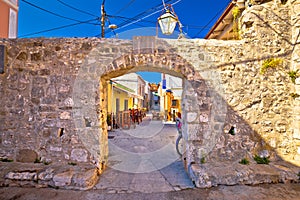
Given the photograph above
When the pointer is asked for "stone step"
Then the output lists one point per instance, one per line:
(209, 175)
(64, 176)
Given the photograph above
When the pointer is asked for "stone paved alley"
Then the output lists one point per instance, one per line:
(147, 137)
(237, 192)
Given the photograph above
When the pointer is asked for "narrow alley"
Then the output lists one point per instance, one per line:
(144, 159)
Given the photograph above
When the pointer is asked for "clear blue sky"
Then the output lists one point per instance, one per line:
(80, 18)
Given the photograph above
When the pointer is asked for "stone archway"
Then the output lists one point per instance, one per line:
(200, 108)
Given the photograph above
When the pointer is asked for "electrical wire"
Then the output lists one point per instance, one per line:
(131, 19)
(164, 4)
(57, 28)
(125, 7)
(140, 25)
(152, 22)
(138, 20)
(213, 18)
(55, 14)
(143, 13)
(135, 19)
(82, 11)
(126, 21)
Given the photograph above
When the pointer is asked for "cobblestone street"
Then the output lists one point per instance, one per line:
(127, 175)
(238, 192)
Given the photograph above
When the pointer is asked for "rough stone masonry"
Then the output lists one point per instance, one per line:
(53, 99)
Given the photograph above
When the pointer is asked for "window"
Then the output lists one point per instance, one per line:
(174, 103)
(12, 31)
(125, 104)
(117, 105)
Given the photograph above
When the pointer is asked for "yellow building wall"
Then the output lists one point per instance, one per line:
(113, 94)
(109, 97)
(168, 107)
(130, 103)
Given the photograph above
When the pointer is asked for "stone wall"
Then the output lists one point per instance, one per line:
(36, 98)
(296, 66)
(275, 25)
(54, 107)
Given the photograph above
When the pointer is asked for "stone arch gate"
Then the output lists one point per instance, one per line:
(44, 79)
(203, 110)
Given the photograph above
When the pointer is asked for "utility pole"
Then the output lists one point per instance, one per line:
(103, 14)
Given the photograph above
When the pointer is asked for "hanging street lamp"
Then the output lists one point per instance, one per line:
(168, 21)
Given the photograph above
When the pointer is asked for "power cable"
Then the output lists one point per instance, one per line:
(57, 28)
(143, 13)
(144, 17)
(152, 22)
(164, 4)
(82, 11)
(55, 14)
(218, 13)
(125, 7)
(140, 25)
(131, 19)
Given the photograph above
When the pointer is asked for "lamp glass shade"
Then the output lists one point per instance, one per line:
(167, 23)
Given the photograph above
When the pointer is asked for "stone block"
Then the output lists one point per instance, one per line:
(80, 155)
(297, 157)
(297, 88)
(68, 102)
(215, 174)
(191, 117)
(36, 56)
(56, 149)
(86, 179)
(8, 139)
(26, 156)
(203, 118)
(46, 175)
(74, 139)
(64, 89)
(44, 72)
(63, 179)
(22, 176)
(37, 92)
(296, 134)
(39, 80)
(65, 115)
(297, 81)
(193, 132)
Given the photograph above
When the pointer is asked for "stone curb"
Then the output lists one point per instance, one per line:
(211, 175)
(63, 176)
